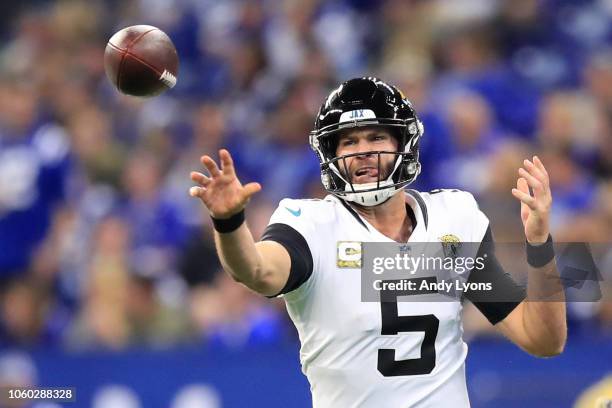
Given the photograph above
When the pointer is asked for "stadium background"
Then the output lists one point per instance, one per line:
(109, 279)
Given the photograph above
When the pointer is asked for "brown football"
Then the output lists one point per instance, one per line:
(141, 60)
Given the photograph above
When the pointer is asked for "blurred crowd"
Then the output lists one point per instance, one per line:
(100, 244)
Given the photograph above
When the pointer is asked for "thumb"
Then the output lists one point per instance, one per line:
(251, 188)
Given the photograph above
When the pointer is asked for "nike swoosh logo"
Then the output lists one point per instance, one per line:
(296, 213)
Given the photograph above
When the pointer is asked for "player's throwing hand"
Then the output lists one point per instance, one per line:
(535, 209)
(221, 192)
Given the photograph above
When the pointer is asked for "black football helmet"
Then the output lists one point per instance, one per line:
(361, 102)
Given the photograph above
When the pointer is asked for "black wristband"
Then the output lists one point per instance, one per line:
(228, 224)
(540, 255)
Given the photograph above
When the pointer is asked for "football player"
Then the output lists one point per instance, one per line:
(388, 353)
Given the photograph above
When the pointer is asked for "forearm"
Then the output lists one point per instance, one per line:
(262, 267)
(544, 317)
(238, 255)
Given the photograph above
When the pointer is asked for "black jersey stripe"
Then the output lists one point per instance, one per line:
(415, 194)
(505, 294)
(299, 252)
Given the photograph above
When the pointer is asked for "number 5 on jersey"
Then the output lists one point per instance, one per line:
(392, 324)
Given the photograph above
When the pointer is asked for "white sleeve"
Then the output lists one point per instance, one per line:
(475, 220)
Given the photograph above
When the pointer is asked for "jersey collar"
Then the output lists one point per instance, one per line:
(416, 203)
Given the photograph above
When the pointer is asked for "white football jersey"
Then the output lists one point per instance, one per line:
(372, 354)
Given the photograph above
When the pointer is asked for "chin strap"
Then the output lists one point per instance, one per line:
(370, 198)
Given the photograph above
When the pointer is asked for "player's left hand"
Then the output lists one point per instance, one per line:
(535, 208)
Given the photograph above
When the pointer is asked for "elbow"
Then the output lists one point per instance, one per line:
(258, 282)
(551, 349)
(547, 353)
(559, 346)
(264, 284)
(264, 288)
(548, 339)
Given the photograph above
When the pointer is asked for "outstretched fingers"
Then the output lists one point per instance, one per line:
(540, 165)
(227, 163)
(200, 178)
(197, 191)
(537, 171)
(533, 182)
(211, 166)
(521, 192)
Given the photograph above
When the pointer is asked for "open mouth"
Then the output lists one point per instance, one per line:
(366, 173)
